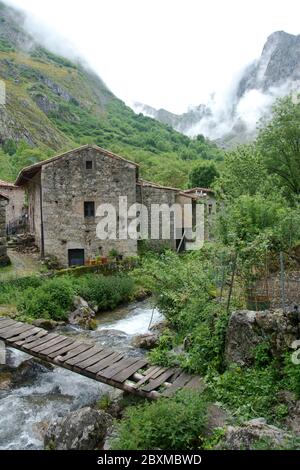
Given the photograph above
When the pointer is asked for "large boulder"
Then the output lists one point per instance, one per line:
(84, 429)
(252, 435)
(247, 329)
(292, 420)
(83, 315)
(146, 341)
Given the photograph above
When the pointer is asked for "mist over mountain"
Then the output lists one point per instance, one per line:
(231, 117)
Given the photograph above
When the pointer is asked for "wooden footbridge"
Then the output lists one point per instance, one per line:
(131, 374)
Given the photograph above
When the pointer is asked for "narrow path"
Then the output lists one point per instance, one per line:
(22, 264)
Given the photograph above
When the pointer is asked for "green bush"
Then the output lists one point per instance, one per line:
(167, 424)
(53, 299)
(12, 289)
(105, 292)
(249, 392)
(291, 379)
(184, 290)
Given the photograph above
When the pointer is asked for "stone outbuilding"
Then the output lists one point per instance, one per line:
(4, 259)
(207, 197)
(16, 210)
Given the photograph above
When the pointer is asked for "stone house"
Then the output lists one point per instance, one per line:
(149, 193)
(4, 259)
(64, 193)
(16, 210)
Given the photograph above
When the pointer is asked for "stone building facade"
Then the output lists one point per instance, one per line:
(150, 194)
(16, 209)
(4, 259)
(64, 193)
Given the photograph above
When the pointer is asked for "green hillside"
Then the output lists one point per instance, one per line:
(53, 104)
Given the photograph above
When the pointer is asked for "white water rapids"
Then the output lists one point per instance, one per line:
(24, 410)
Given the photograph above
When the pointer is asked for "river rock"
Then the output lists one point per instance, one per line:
(5, 380)
(251, 434)
(217, 417)
(28, 371)
(146, 341)
(83, 315)
(247, 329)
(84, 429)
(292, 420)
(47, 324)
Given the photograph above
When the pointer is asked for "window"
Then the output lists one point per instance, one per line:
(89, 209)
(89, 165)
(76, 257)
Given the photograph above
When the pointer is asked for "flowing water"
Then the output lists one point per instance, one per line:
(49, 394)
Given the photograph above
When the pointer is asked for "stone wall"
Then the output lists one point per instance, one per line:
(271, 288)
(147, 195)
(67, 184)
(34, 207)
(16, 205)
(4, 260)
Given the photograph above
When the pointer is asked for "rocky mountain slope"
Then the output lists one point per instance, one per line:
(54, 104)
(275, 74)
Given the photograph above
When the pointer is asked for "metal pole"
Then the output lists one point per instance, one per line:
(282, 281)
(232, 281)
(42, 223)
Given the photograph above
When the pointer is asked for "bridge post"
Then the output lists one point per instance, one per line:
(2, 353)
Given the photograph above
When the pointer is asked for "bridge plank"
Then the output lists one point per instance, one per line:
(148, 374)
(124, 363)
(180, 382)
(195, 383)
(59, 353)
(14, 330)
(109, 360)
(32, 338)
(9, 326)
(4, 319)
(42, 347)
(93, 360)
(154, 384)
(59, 346)
(75, 352)
(24, 335)
(122, 376)
(42, 340)
(159, 372)
(85, 355)
(5, 323)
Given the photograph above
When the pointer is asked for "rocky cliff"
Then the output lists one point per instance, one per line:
(275, 74)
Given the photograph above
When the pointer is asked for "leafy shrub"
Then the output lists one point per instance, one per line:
(105, 292)
(167, 424)
(248, 392)
(184, 291)
(10, 290)
(53, 299)
(291, 379)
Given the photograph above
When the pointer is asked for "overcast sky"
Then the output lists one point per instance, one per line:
(165, 53)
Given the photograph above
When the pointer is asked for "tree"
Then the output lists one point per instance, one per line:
(279, 144)
(254, 226)
(9, 147)
(203, 175)
(244, 172)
